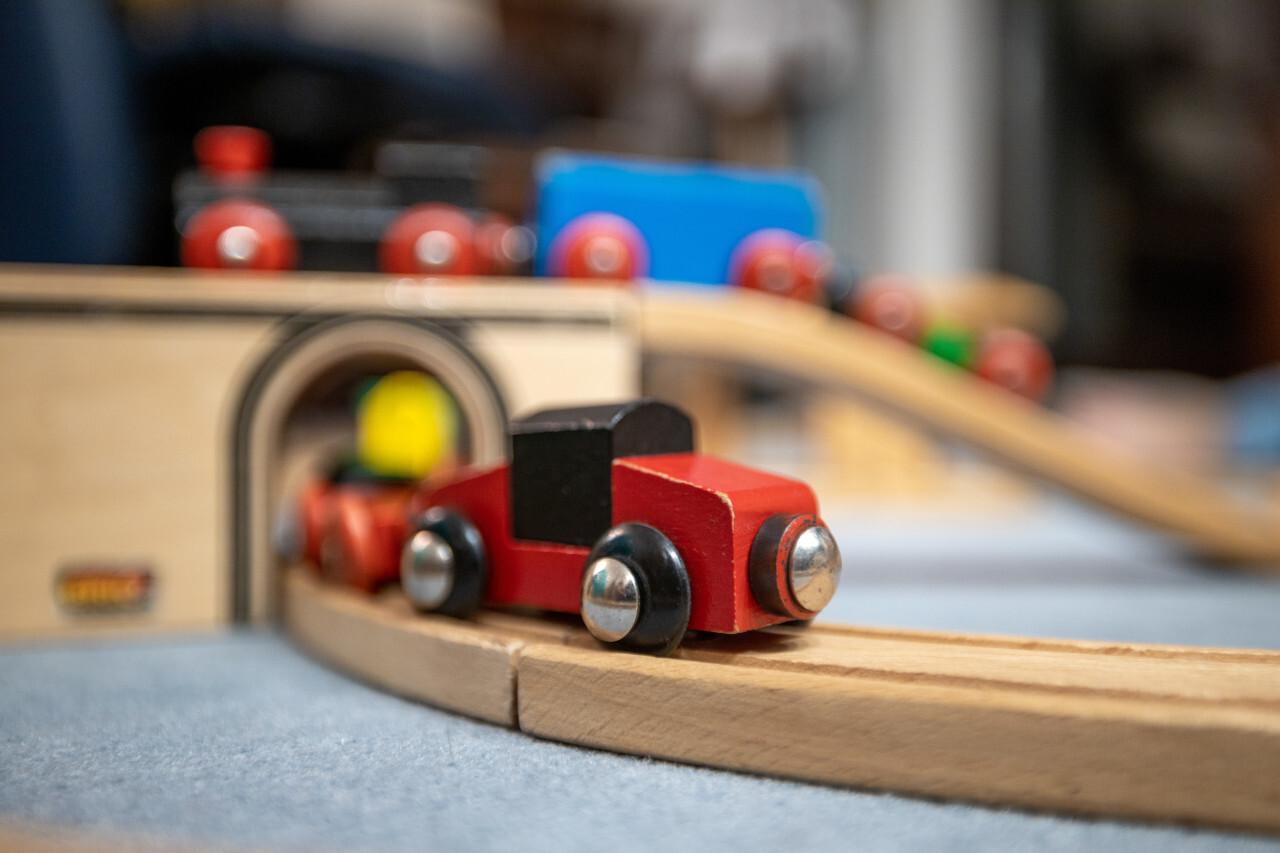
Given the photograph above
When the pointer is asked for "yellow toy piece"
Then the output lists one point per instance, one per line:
(406, 425)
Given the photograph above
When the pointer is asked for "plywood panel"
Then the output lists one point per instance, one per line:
(129, 395)
(113, 448)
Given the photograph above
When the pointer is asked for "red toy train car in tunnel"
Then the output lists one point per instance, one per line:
(608, 511)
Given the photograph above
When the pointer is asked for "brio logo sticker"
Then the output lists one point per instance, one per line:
(103, 589)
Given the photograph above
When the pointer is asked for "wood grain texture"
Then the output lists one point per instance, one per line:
(1063, 750)
(28, 836)
(116, 288)
(127, 390)
(814, 346)
(1163, 733)
(450, 664)
(111, 447)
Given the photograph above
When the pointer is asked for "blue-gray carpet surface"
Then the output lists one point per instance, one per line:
(237, 740)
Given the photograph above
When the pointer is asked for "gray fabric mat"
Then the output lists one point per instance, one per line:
(236, 740)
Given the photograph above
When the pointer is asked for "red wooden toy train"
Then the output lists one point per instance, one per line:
(605, 511)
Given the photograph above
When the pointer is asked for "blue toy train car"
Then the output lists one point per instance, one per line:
(694, 223)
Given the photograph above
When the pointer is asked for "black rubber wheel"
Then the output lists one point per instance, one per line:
(663, 582)
(470, 566)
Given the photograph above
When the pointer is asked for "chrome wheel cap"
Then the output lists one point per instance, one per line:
(605, 255)
(610, 599)
(426, 570)
(238, 246)
(813, 569)
(435, 250)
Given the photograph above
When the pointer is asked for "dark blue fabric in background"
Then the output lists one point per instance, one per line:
(95, 122)
(70, 158)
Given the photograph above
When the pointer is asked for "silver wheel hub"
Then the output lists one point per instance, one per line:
(435, 249)
(605, 255)
(238, 245)
(610, 599)
(427, 569)
(517, 244)
(813, 568)
(776, 276)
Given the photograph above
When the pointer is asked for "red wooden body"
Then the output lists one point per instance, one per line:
(316, 507)
(354, 531)
(709, 508)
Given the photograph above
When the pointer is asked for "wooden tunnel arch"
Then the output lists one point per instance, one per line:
(308, 351)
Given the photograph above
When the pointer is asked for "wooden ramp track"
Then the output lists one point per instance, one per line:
(1151, 732)
(823, 349)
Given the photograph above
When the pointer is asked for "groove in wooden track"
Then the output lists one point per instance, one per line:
(1153, 732)
(813, 345)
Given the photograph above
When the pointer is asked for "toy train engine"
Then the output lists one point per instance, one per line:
(352, 521)
(414, 214)
(607, 511)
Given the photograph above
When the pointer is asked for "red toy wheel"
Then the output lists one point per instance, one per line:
(889, 303)
(315, 505)
(599, 246)
(430, 239)
(237, 233)
(502, 247)
(781, 262)
(1016, 361)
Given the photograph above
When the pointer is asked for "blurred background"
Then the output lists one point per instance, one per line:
(1121, 156)
(1124, 154)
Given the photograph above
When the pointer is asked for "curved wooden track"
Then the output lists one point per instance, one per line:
(815, 346)
(1150, 732)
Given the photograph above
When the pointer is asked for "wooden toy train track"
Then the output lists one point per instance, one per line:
(1161, 733)
(1152, 732)
(808, 344)
(1138, 731)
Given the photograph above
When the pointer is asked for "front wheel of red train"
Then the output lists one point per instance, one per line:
(443, 563)
(635, 590)
(794, 566)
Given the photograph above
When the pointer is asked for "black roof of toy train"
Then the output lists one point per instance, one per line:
(561, 464)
